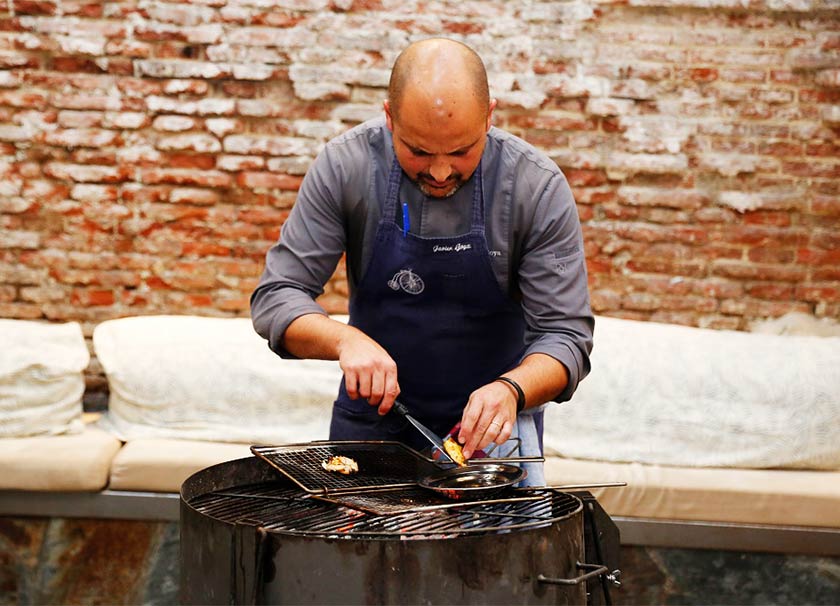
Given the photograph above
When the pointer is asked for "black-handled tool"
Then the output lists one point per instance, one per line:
(427, 433)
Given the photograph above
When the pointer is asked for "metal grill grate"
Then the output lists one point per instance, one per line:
(279, 508)
(404, 500)
(381, 464)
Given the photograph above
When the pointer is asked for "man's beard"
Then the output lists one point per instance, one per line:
(421, 182)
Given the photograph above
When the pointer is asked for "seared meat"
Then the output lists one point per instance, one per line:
(453, 449)
(344, 465)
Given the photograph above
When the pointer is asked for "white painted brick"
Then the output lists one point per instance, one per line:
(267, 144)
(222, 126)
(9, 79)
(137, 154)
(314, 91)
(10, 187)
(602, 106)
(620, 164)
(181, 14)
(81, 46)
(10, 238)
(830, 114)
(315, 129)
(173, 123)
(126, 120)
(521, 98)
(174, 87)
(197, 142)
(93, 193)
(209, 33)
(290, 166)
(656, 134)
(203, 107)
(237, 163)
(252, 72)
(351, 112)
(729, 165)
(255, 107)
(179, 68)
(10, 132)
(828, 77)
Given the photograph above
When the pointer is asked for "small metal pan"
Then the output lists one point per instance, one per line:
(485, 480)
(473, 481)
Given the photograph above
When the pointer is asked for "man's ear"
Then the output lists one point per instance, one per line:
(389, 121)
(490, 113)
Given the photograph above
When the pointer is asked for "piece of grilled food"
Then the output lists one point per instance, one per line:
(453, 449)
(341, 464)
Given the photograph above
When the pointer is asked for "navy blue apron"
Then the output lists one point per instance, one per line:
(435, 306)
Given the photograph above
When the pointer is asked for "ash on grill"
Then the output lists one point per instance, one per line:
(251, 535)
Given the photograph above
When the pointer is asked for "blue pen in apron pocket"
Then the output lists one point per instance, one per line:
(406, 223)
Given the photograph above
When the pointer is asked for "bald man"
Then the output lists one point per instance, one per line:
(468, 288)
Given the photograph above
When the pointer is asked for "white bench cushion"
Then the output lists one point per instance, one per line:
(198, 378)
(664, 394)
(41, 380)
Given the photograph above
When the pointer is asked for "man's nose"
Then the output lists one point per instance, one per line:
(440, 170)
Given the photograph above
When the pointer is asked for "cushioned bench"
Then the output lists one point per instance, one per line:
(189, 406)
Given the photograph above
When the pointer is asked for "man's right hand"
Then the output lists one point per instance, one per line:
(369, 372)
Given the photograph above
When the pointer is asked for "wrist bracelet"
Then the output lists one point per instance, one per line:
(520, 395)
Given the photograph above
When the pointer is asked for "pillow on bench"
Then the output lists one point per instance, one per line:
(203, 378)
(676, 395)
(41, 378)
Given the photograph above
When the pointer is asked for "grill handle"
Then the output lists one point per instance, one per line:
(594, 571)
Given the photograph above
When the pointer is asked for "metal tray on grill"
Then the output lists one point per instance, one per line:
(382, 464)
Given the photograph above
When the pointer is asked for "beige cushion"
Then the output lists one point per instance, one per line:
(750, 496)
(74, 462)
(162, 465)
(41, 380)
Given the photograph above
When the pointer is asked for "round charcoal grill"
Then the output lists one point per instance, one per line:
(251, 535)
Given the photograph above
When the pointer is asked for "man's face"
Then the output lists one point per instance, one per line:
(439, 144)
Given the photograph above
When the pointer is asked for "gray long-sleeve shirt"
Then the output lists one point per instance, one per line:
(532, 226)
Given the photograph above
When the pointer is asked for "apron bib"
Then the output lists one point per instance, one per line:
(435, 306)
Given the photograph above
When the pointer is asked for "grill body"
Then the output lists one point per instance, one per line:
(245, 557)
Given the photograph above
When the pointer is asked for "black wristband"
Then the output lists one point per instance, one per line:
(520, 395)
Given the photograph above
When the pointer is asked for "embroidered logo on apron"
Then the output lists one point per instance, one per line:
(407, 280)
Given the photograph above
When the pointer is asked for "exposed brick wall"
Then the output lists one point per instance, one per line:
(150, 150)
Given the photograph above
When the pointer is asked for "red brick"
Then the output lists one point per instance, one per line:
(819, 292)
(758, 217)
(771, 255)
(819, 257)
(92, 297)
(205, 249)
(754, 271)
(269, 181)
(771, 291)
(703, 74)
(179, 176)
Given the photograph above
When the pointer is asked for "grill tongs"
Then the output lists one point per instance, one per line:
(427, 433)
(438, 443)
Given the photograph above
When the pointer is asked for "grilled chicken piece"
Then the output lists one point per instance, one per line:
(344, 465)
(453, 449)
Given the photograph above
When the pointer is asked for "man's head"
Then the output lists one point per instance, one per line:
(439, 110)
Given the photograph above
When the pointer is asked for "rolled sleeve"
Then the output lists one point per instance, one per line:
(552, 279)
(298, 266)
